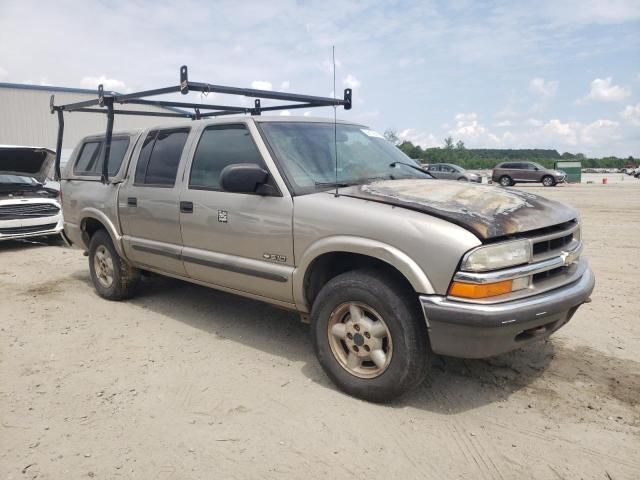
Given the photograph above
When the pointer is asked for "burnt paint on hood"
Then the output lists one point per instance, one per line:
(488, 212)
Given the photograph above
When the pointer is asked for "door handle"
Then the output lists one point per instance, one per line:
(186, 207)
(132, 202)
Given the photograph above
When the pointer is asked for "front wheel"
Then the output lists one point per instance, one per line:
(369, 336)
(548, 181)
(112, 277)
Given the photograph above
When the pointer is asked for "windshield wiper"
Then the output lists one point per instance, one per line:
(358, 181)
(333, 184)
(415, 167)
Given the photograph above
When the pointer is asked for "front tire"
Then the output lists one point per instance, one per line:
(369, 336)
(548, 181)
(112, 277)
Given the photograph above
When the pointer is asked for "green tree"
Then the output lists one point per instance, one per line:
(392, 136)
(448, 143)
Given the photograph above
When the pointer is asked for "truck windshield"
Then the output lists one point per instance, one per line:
(306, 153)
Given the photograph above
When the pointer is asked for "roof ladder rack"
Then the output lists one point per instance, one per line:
(105, 102)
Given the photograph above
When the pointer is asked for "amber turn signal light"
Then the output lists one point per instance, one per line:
(473, 290)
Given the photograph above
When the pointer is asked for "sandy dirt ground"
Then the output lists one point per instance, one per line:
(185, 382)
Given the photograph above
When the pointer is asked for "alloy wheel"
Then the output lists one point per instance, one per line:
(103, 266)
(360, 340)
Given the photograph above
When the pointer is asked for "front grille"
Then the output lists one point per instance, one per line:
(538, 277)
(552, 244)
(29, 229)
(28, 210)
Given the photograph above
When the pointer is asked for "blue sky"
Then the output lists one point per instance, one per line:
(546, 74)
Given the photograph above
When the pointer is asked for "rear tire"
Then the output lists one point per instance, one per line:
(548, 181)
(506, 181)
(369, 336)
(463, 179)
(112, 277)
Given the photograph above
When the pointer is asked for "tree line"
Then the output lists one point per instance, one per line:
(486, 158)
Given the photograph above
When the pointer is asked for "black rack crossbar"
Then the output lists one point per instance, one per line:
(105, 102)
(136, 112)
(163, 103)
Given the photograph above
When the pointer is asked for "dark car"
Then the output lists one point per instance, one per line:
(510, 173)
(449, 171)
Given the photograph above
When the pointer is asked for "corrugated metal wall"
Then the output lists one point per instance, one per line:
(25, 119)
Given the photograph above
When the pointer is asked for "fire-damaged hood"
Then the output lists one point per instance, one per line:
(489, 212)
(35, 162)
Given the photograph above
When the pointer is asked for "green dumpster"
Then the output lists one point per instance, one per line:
(572, 168)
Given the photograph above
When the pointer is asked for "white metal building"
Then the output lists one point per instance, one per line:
(25, 117)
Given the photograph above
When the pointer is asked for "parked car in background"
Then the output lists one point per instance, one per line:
(449, 171)
(29, 199)
(510, 173)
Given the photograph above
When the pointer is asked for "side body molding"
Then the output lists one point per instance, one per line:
(363, 246)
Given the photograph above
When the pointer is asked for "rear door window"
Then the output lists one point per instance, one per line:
(89, 161)
(160, 157)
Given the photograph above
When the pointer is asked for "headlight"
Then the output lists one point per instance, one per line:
(496, 256)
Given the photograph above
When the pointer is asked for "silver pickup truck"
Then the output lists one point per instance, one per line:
(387, 264)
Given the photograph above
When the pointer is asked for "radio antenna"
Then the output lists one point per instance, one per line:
(335, 118)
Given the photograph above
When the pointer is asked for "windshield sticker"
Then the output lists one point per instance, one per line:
(371, 133)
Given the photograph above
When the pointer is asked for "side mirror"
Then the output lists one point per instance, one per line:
(245, 178)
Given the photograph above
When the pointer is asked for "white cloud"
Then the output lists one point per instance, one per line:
(307, 113)
(468, 126)
(108, 83)
(351, 82)
(602, 90)
(261, 85)
(504, 123)
(631, 114)
(555, 131)
(285, 113)
(542, 87)
(600, 131)
(534, 122)
(3, 73)
(285, 85)
(423, 139)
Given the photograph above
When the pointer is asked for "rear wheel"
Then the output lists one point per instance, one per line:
(369, 336)
(506, 181)
(463, 179)
(548, 181)
(112, 277)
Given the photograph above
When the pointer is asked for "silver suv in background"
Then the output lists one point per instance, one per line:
(449, 171)
(388, 265)
(510, 173)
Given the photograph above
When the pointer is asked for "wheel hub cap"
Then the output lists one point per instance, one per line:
(360, 340)
(103, 266)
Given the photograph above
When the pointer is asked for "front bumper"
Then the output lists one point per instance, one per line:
(469, 330)
(38, 227)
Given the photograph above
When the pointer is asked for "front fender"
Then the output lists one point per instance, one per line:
(363, 246)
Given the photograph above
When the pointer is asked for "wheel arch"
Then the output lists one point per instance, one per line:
(335, 255)
(94, 220)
